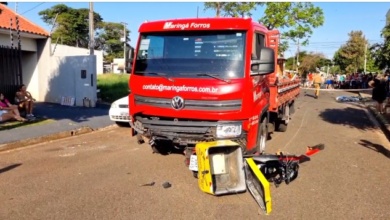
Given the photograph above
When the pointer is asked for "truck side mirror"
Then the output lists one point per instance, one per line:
(266, 64)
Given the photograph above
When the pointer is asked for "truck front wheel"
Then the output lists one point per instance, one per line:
(262, 135)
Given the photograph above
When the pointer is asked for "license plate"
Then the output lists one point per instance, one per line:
(124, 114)
(228, 131)
(193, 163)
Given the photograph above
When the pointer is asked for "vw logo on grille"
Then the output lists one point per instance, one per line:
(177, 103)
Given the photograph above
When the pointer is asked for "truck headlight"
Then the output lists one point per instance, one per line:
(228, 130)
(114, 105)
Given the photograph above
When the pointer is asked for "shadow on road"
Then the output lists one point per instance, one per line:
(76, 114)
(10, 167)
(310, 95)
(351, 117)
(375, 147)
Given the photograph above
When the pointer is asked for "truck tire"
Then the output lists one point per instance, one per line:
(122, 124)
(158, 147)
(281, 125)
(262, 135)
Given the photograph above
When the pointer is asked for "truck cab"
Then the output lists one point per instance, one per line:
(202, 79)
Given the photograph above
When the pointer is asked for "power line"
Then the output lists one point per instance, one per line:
(336, 42)
(33, 8)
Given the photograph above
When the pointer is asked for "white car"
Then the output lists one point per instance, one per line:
(119, 111)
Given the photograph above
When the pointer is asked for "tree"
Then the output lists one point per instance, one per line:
(239, 9)
(350, 56)
(217, 6)
(299, 18)
(381, 51)
(231, 9)
(71, 25)
(311, 62)
(109, 40)
(291, 62)
(3, 3)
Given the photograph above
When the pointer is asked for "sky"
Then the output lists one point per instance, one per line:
(340, 19)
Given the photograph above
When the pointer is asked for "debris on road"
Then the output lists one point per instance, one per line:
(166, 185)
(149, 184)
(220, 170)
(348, 98)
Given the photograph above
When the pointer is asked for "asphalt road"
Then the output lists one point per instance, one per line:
(99, 175)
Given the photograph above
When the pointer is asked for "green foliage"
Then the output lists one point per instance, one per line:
(299, 18)
(71, 25)
(311, 62)
(72, 28)
(113, 86)
(231, 9)
(350, 56)
(8, 125)
(109, 37)
(381, 51)
(217, 6)
(239, 9)
(290, 63)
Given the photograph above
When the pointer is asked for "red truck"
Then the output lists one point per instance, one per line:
(205, 79)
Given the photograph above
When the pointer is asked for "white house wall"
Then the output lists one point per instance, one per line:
(30, 72)
(64, 79)
(60, 75)
(26, 43)
(64, 50)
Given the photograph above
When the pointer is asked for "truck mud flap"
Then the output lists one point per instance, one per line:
(258, 185)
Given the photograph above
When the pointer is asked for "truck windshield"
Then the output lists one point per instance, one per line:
(192, 54)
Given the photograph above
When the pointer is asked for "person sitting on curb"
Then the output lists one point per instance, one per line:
(8, 111)
(6, 105)
(25, 100)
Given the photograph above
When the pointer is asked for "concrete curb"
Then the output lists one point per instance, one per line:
(383, 123)
(380, 120)
(50, 137)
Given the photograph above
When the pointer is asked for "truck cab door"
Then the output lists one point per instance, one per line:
(258, 80)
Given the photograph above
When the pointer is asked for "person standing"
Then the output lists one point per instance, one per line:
(379, 92)
(317, 80)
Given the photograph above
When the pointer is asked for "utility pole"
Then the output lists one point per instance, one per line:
(365, 59)
(124, 46)
(91, 30)
(297, 54)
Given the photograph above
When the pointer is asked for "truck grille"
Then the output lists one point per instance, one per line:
(123, 106)
(120, 117)
(226, 105)
(187, 130)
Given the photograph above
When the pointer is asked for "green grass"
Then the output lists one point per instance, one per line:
(112, 86)
(15, 124)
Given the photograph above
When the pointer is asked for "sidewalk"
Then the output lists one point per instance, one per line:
(63, 121)
(59, 119)
(383, 120)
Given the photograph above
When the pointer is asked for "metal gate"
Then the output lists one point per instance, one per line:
(11, 66)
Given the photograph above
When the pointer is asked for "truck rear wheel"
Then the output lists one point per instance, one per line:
(281, 125)
(262, 135)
